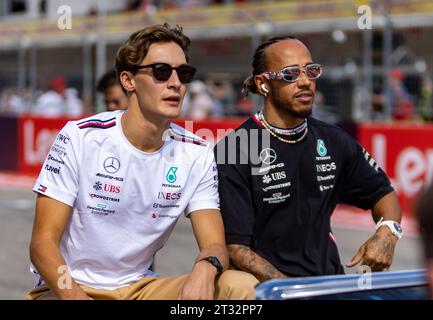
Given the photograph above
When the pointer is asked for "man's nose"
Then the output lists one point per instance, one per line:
(173, 81)
(303, 79)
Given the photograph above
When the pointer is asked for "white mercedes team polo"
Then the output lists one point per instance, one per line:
(125, 201)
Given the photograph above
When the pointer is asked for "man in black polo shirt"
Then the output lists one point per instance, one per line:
(282, 173)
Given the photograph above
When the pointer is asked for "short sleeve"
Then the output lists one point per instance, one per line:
(235, 198)
(206, 193)
(58, 178)
(365, 183)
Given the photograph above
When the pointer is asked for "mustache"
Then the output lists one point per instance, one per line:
(303, 92)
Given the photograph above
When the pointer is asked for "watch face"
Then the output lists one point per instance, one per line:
(398, 227)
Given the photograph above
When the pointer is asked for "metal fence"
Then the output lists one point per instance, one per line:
(366, 68)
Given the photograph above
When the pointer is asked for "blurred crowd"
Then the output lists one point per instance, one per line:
(212, 98)
(57, 100)
(205, 99)
(406, 97)
(215, 98)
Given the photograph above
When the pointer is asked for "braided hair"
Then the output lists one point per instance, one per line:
(259, 64)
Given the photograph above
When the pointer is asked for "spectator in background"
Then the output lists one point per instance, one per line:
(140, 5)
(199, 105)
(425, 105)
(425, 219)
(74, 105)
(169, 5)
(11, 102)
(58, 100)
(109, 86)
(402, 107)
(223, 96)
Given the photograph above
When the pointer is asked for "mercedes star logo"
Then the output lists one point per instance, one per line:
(111, 165)
(268, 156)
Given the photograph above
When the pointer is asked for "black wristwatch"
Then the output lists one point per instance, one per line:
(215, 262)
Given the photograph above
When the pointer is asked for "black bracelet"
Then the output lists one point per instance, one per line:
(215, 262)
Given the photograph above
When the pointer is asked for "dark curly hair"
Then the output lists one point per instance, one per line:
(259, 64)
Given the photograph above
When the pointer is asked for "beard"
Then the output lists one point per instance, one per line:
(303, 112)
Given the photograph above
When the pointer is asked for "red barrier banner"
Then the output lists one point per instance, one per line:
(36, 135)
(405, 153)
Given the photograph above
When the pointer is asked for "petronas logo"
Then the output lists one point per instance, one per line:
(321, 149)
(171, 175)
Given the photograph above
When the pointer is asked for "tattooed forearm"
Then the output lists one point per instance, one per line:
(243, 258)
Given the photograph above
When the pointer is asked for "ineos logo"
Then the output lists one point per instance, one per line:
(111, 165)
(268, 156)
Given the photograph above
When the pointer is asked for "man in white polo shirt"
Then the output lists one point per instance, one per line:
(113, 186)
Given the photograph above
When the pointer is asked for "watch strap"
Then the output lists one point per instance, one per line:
(215, 262)
(394, 226)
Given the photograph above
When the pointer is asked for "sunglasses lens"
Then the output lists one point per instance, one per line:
(162, 71)
(291, 74)
(313, 71)
(186, 73)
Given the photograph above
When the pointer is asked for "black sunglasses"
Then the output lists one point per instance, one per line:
(162, 71)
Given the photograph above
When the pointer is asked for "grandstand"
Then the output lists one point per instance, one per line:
(33, 48)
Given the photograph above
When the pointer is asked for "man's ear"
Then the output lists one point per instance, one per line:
(127, 81)
(261, 85)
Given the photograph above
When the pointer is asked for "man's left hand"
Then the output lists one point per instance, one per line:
(200, 284)
(377, 252)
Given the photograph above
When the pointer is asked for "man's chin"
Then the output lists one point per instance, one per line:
(303, 112)
(171, 113)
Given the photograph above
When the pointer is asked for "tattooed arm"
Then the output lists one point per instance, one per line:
(243, 258)
(378, 251)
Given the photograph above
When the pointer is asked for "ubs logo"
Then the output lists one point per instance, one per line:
(97, 186)
(111, 165)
